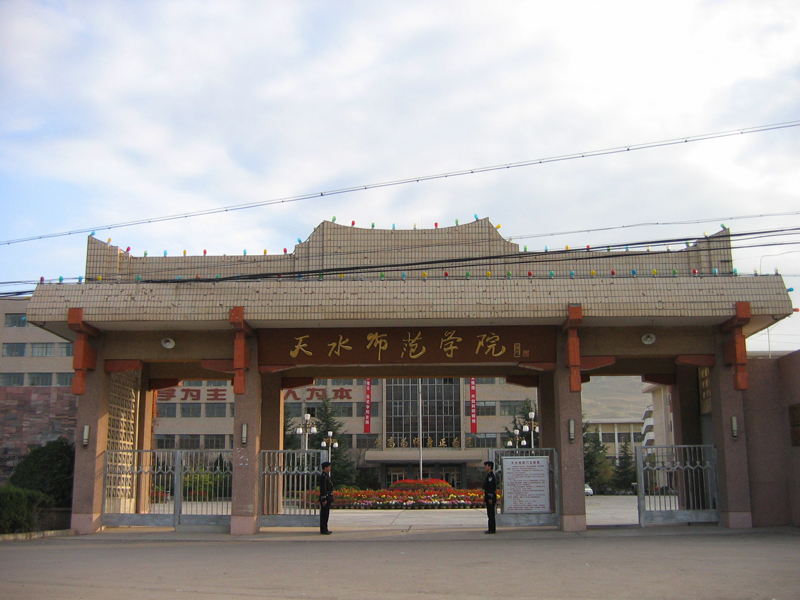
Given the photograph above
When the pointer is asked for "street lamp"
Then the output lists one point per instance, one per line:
(531, 424)
(519, 440)
(305, 428)
(330, 444)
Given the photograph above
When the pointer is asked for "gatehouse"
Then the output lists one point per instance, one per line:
(368, 303)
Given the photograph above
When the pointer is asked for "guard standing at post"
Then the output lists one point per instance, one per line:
(490, 495)
(325, 498)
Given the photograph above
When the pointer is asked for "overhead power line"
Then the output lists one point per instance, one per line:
(417, 179)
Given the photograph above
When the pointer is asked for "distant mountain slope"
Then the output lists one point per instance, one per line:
(614, 398)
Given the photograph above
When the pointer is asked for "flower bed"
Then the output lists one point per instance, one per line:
(429, 493)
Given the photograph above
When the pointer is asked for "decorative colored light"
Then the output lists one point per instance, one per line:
(498, 226)
(184, 252)
(648, 248)
(299, 241)
(694, 272)
(722, 225)
(476, 216)
(655, 272)
(92, 233)
(587, 247)
(687, 244)
(99, 278)
(545, 249)
(714, 271)
(320, 276)
(373, 225)
(138, 278)
(60, 279)
(352, 223)
(383, 275)
(128, 249)
(627, 248)
(525, 249)
(572, 274)
(508, 274)
(552, 274)
(456, 221)
(179, 277)
(206, 252)
(567, 248)
(165, 252)
(265, 252)
(633, 272)
(787, 289)
(613, 272)
(80, 278)
(488, 273)
(669, 248)
(392, 226)
(244, 252)
(436, 225)
(217, 276)
(285, 251)
(736, 272)
(468, 274)
(530, 273)
(592, 273)
(197, 276)
(145, 253)
(424, 274)
(109, 240)
(446, 274)
(755, 272)
(333, 220)
(341, 275)
(403, 275)
(674, 272)
(796, 310)
(299, 276)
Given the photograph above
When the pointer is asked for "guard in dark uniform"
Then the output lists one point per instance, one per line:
(325, 498)
(490, 495)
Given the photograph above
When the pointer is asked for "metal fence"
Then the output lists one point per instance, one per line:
(677, 484)
(526, 520)
(167, 487)
(289, 487)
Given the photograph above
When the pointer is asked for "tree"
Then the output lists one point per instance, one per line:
(625, 470)
(343, 471)
(48, 469)
(597, 471)
(291, 441)
(519, 421)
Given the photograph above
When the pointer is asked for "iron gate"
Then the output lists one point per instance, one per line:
(530, 519)
(167, 488)
(677, 484)
(288, 488)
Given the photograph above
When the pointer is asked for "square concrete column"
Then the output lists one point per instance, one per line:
(87, 488)
(554, 391)
(144, 441)
(271, 412)
(247, 414)
(686, 407)
(732, 472)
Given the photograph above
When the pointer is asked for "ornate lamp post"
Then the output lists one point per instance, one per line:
(306, 427)
(519, 440)
(330, 445)
(531, 425)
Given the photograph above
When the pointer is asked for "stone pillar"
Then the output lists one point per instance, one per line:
(547, 411)
(87, 490)
(144, 441)
(732, 471)
(271, 412)
(566, 405)
(244, 501)
(686, 407)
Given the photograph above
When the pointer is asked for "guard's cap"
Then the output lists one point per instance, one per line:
(489, 463)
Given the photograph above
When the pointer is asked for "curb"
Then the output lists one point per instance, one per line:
(35, 535)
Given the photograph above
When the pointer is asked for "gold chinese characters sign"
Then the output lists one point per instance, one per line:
(422, 345)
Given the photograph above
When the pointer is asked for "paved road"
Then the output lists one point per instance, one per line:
(408, 554)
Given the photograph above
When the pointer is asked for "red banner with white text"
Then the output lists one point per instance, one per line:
(368, 406)
(473, 407)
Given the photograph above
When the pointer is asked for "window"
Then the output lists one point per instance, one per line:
(592, 436)
(366, 440)
(345, 441)
(40, 379)
(190, 410)
(638, 437)
(216, 409)
(341, 409)
(64, 379)
(14, 350)
(12, 379)
(485, 409)
(375, 409)
(191, 383)
(217, 383)
(320, 382)
(341, 382)
(362, 382)
(66, 349)
(485, 380)
(16, 320)
(608, 438)
(293, 410)
(313, 407)
(43, 349)
(189, 442)
(214, 442)
(166, 410)
(511, 408)
(441, 411)
(165, 442)
(482, 440)
(624, 438)
(233, 406)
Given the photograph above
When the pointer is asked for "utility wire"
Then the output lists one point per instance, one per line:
(418, 179)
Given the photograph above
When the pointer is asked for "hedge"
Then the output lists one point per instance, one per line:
(20, 509)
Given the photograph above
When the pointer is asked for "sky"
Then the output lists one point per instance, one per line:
(118, 111)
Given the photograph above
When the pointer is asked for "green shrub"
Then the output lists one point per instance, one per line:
(20, 509)
(48, 469)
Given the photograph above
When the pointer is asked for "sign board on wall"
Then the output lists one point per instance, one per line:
(526, 485)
